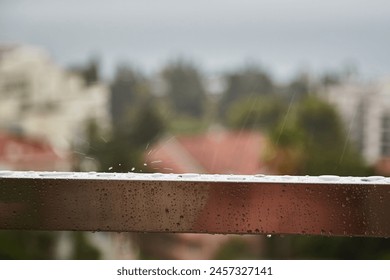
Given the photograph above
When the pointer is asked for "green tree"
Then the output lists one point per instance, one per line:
(312, 137)
(321, 247)
(89, 72)
(185, 90)
(128, 89)
(328, 150)
(41, 245)
(250, 81)
(124, 149)
(298, 88)
(237, 249)
(285, 152)
(261, 112)
(27, 245)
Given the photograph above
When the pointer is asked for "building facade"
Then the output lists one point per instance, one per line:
(42, 100)
(365, 110)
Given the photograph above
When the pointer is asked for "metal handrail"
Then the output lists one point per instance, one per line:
(198, 203)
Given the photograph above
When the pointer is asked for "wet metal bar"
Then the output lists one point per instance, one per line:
(199, 203)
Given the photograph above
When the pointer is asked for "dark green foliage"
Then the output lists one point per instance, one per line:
(82, 249)
(319, 121)
(318, 247)
(256, 113)
(27, 245)
(127, 90)
(41, 245)
(237, 249)
(298, 89)
(328, 150)
(185, 91)
(136, 123)
(124, 150)
(310, 135)
(249, 82)
(89, 72)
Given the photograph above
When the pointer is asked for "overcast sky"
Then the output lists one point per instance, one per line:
(283, 35)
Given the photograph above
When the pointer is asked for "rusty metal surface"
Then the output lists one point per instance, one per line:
(325, 205)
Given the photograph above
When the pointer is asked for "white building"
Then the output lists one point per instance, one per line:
(42, 100)
(365, 109)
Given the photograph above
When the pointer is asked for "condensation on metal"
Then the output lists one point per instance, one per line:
(200, 203)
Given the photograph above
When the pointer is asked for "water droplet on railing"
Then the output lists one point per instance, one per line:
(373, 178)
(236, 178)
(189, 175)
(329, 178)
(55, 174)
(106, 175)
(156, 175)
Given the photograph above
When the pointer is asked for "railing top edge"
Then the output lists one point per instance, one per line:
(258, 178)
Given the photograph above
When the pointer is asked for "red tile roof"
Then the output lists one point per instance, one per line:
(214, 152)
(382, 167)
(22, 153)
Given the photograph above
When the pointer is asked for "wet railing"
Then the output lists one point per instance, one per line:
(324, 205)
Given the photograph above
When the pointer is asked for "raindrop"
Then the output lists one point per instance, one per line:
(145, 164)
(156, 175)
(373, 178)
(236, 178)
(110, 168)
(55, 174)
(329, 178)
(269, 235)
(132, 169)
(188, 175)
(106, 175)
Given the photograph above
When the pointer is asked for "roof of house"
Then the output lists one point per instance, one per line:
(219, 152)
(382, 167)
(23, 153)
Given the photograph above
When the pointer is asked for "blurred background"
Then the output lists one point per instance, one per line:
(240, 87)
